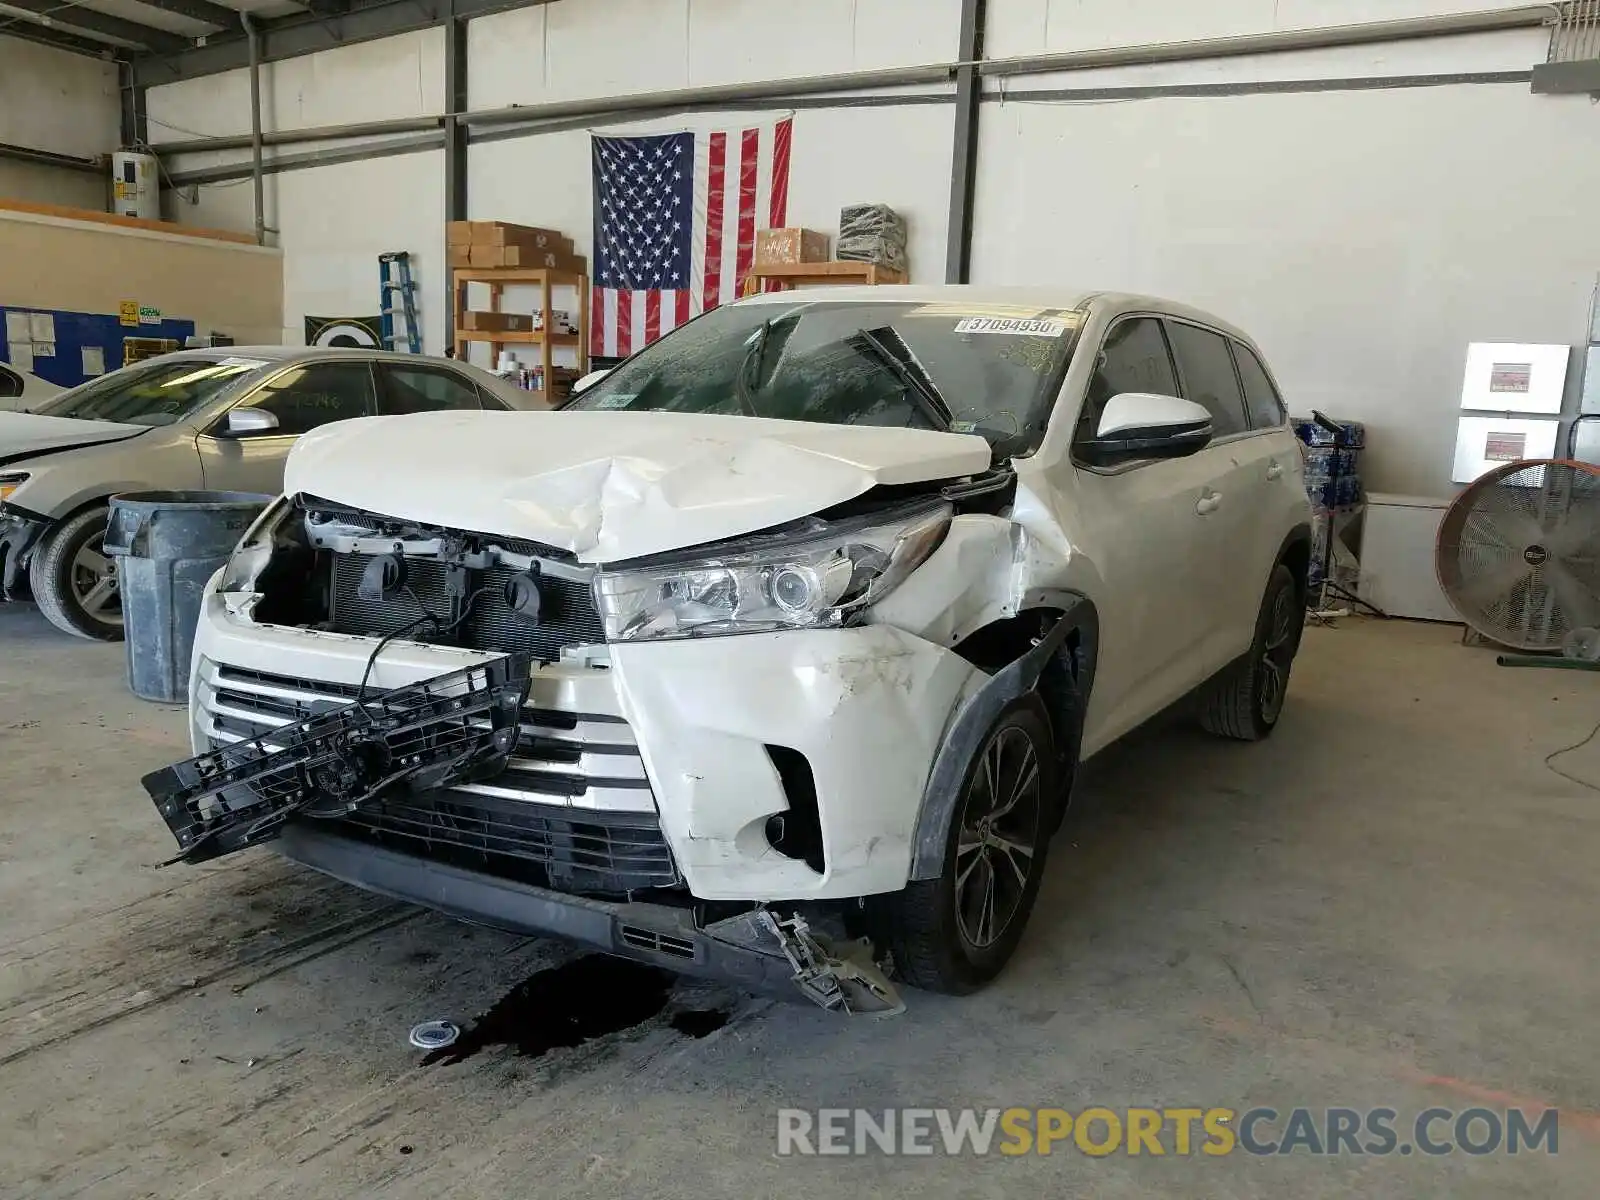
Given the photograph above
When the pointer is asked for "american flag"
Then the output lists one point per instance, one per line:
(675, 220)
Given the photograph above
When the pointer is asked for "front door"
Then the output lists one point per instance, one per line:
(1152, 529)
(301, 398)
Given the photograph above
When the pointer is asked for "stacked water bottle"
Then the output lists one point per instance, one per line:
(1333, 483)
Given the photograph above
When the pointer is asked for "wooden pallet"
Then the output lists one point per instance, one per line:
(547, 280)
(821, 274)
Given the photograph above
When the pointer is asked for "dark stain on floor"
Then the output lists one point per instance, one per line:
(576, 1002)
(700, 1022)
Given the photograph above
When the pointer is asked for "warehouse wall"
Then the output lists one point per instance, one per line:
(1031, 26)
(1364, 236)
(59, 102)
(1364, 231)
(332, 221)
(90, 266)
(568, 51)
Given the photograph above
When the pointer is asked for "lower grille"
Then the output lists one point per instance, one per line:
(567, 615)
(567, 850)
(641, 938)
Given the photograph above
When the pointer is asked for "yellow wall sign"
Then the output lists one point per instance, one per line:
(128, 312)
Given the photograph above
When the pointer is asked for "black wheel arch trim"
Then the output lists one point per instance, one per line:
(1301, 533)
(1070, 612)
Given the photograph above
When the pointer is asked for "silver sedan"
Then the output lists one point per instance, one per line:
(217, 419)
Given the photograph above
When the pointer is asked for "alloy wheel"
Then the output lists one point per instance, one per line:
(94, 582)
(1000, 827)
(1277, 655)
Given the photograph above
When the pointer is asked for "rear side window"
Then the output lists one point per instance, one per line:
(1134, 359)
(1260, 397)
(409, 389)
(1209, 379)
(10, 385)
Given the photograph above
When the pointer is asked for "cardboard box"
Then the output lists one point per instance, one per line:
(502, 233)
(458, 255)
(497, 322)
(457, 233)
(553, 260)
(791, 245)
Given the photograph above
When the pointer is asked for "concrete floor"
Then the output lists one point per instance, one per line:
(1391, 903)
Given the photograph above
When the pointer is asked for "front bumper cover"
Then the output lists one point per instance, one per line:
(18, 536)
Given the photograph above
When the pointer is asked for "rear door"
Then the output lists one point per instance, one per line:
(1273, 462)
(302, 397)
(1230, 583)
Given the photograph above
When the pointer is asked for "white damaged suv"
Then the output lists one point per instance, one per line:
(791, 630)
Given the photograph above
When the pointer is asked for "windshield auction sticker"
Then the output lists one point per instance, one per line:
(1012, 325)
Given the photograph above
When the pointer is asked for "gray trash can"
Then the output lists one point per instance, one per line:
(167, 545)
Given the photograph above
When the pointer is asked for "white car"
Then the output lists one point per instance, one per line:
(21, 390)
(794, 627)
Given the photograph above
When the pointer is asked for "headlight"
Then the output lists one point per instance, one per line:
(254, 550)
(805, 581)
(10, 483)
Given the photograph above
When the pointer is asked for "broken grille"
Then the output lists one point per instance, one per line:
(571, 756)
(454, 728)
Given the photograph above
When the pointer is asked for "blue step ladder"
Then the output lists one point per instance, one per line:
(394, 276)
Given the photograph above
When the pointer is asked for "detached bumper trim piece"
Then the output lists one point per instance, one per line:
(454, 728)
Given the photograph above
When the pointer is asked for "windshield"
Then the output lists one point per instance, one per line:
(159, 392)
(969, 368)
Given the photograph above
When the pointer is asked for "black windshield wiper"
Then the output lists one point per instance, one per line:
(889, 349)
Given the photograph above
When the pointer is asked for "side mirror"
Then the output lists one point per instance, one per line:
(1139, 425)
(242, 422)
(588, 381)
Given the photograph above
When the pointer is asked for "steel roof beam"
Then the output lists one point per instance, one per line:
(25, 30)
(74, 18)
(289, 37)
(219, 15)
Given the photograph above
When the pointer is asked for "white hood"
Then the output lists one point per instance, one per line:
(613, 485)
(22, 434)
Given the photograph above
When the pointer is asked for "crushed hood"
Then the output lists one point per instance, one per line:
(23, 435)
(609, 486)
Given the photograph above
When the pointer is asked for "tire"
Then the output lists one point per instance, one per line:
(61, 579)
(1245, 701)
(934, 929)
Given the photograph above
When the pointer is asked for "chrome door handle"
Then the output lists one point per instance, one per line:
(1275, 472)
(1209, 503)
